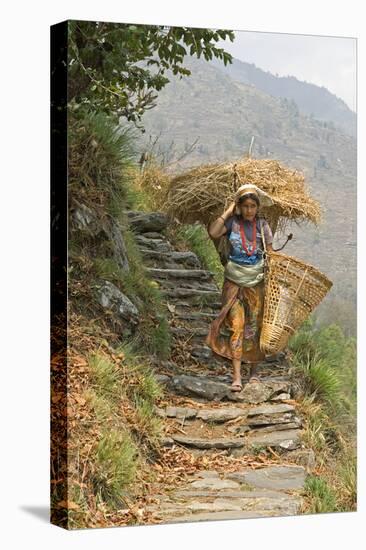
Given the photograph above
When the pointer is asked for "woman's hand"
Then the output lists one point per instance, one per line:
(230, 210)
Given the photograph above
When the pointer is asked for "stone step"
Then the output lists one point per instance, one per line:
(204, 355)
(281, 440)
(187, 259)
(232, 514)
(207, 388)
(201, 296)
(185, 306)
(280, 506)
(196, 315)
(260, 492)
(286, 439)
(275, 477)
(254, 416)
(194, 332)
(222, 414)
(199, 274)
(161, 245)
(211, 443)
(142, 222)
(185, 283)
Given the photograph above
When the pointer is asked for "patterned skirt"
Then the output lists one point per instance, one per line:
(242, 314)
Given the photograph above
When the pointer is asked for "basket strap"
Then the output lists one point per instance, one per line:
(262, 233)
(266, 265)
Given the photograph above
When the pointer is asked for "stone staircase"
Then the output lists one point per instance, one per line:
(204, 416)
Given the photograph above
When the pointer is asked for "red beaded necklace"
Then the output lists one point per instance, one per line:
(254, 236)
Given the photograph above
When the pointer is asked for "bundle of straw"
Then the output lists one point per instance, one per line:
(202, 193)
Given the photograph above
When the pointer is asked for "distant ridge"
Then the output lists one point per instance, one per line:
(311, 99)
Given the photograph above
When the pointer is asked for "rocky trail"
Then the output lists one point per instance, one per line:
(202, 415)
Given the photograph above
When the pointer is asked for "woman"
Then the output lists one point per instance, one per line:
(243, 288)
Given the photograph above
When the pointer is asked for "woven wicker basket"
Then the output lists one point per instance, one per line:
(292, 291)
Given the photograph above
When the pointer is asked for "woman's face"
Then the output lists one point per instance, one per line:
(248, 209)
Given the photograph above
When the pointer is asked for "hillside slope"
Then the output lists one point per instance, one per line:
(311, 99)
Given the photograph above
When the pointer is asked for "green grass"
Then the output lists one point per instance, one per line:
(322, 495)
(102, 407)
(104, 377)
(116, 463)
(322, 380)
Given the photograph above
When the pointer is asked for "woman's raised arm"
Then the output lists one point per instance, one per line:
(217, 228)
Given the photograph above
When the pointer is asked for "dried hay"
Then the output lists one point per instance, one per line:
(204, 192)
(154, 181)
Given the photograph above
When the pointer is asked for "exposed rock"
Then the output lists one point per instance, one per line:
(84, 219)
(115, 237)
(110, 297)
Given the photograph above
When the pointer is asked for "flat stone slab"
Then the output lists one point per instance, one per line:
(259, 428)
(271, 409)
(284, 504)
(221, 415)
(208, 415)
(215, 516)
(180, 273)
(180, 412)
(209, 389)
(188, 292)
(217, 443)
(215, 483)
(285, 439)
(227, 493)
(272, 477)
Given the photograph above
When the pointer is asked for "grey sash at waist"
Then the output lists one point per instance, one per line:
(245, 275)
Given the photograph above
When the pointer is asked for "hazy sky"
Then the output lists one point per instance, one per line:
(322, 60)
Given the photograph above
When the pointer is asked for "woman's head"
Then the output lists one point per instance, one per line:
(248, 205)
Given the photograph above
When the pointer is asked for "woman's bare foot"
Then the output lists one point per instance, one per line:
(236, 386)
(253, 373)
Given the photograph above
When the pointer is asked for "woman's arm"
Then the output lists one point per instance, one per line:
(268, 236)
(217, 228)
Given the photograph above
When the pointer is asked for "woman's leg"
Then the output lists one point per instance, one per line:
(235, 322)
(236, 372)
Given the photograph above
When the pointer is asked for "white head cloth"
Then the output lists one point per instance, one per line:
(264, 198)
